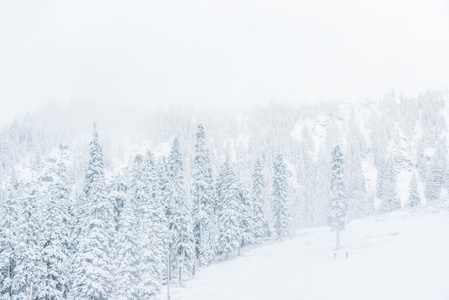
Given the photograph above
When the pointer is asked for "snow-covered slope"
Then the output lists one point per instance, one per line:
(402, 255)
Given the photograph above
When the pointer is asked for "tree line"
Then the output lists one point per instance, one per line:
(163, 217)
(122, 239)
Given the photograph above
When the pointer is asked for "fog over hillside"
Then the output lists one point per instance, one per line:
(218, 54)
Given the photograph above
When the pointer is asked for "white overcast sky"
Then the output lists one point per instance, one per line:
(217, 52)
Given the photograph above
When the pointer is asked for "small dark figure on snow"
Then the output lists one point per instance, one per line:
(347, 255)
(335, 255)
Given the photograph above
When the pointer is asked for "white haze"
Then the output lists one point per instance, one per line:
(217, 53)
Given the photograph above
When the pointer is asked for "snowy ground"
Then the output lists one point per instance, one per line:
(404, 255)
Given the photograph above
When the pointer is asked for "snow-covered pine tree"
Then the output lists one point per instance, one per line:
(57, 235)
(167, 194)
(153, 228)
(204, 198)
(386, 186)
(261, 227)
(140, 198)
(127, 277)
(434, 177)
(29, 269)
(164, 187)
(421, 159)
(117, 195)
(140, 194)
(228, 211)
(280, 203)
(93, 265)
(317, 191)
(247, 217)
(308, 173)
(337, 201)
(181, 229)
(9, 215)
(413, 198)
(358, 201)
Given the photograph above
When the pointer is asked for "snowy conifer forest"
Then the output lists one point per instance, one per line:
(129, 204)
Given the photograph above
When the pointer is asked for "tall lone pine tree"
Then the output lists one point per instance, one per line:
(338, 206)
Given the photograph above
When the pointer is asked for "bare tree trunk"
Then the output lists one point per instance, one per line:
(180, 273)
(200, 242)
(169, 271)
(169, 264)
